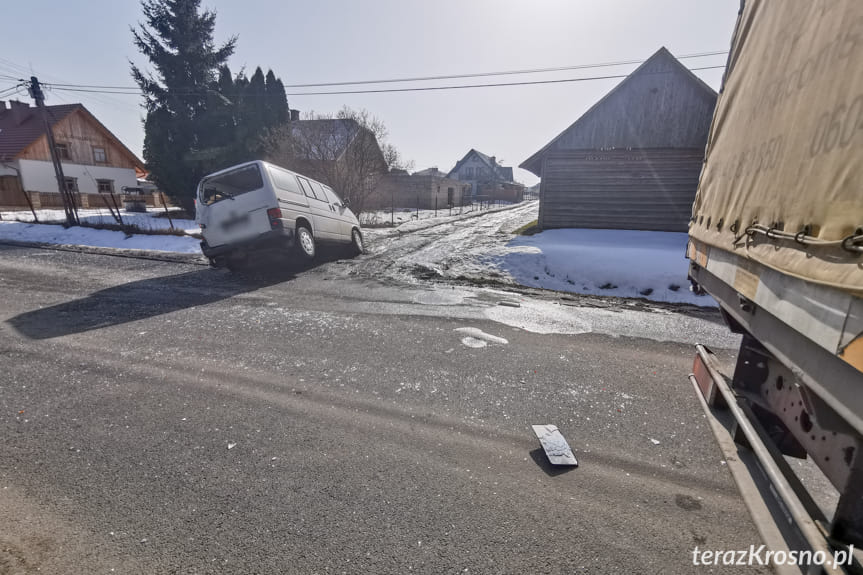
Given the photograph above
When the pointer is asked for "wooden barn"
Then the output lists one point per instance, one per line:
(632, 161)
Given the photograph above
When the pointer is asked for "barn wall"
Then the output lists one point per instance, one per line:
(651, 189)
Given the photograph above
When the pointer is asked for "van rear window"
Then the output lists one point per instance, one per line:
(231, 184)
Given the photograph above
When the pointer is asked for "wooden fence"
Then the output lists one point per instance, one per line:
(14, 200)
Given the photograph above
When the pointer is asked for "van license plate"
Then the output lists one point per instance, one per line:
(235, 221)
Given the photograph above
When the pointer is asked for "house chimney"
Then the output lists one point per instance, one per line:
(493, 160)
(295, 115)
(19, 111)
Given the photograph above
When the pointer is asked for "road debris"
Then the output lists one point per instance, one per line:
(556, 448)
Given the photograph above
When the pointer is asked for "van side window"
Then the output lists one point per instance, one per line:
(334, 198)
(285, 181)
(319, 192)
(307, 187)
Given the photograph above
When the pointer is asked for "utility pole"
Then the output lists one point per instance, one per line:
(68, 199)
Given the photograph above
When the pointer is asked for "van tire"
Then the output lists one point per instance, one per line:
(357, 242)
(305, 242)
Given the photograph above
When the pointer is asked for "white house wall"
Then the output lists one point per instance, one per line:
(38, 176)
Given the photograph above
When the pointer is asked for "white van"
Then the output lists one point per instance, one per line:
(257, 205)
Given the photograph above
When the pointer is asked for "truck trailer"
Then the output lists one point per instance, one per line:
(776, 237)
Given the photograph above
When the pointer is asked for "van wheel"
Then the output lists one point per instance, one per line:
(357, 242)
(305, 242)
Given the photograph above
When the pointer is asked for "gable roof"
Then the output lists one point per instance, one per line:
(335, 134)
(16, 136)
(660, 58)
(502, 173)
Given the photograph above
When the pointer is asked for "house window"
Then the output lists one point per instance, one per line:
(72, 185)
(105, 186)
(62, 151)
(99, 155)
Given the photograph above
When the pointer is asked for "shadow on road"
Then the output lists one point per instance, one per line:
(539, 457)
(151, 297)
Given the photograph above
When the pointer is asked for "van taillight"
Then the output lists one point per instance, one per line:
(275, 215)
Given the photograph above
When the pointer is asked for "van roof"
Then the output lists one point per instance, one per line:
(234, 167)
(262, 163)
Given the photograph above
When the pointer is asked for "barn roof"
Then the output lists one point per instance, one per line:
(660, 63)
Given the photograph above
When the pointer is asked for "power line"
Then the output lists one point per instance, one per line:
(503, 73)
(10, 91)
(385, 90)
(495, 85)
(123, 89)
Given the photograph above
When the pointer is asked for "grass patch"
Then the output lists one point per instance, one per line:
(528, 229)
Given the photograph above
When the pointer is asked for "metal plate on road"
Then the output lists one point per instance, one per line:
(555, 446)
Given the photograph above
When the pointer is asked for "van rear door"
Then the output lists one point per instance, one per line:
(234, 205)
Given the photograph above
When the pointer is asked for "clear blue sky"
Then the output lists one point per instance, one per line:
(337, 40)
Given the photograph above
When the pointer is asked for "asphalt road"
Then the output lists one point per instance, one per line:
(168, 418)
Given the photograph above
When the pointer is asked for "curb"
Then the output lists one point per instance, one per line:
(194, 259)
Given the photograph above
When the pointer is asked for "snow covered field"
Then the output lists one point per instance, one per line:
(19, 226)
(54, 234)
(622, 263)
(144, 221)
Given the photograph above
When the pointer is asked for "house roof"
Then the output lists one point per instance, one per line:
(16, 136)
(503, 173)
(534, 162)
(335, 134)
(430, 172)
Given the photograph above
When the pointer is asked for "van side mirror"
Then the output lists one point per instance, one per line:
(346, 202)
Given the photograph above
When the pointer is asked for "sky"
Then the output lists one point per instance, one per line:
(344, 40)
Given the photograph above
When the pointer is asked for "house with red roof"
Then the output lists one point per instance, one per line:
(94, 160)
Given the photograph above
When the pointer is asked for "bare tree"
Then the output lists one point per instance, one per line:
(347, 151)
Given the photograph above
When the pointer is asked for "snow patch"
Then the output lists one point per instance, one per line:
(541, 317)
(473, 342)
(478, 334)
(51, 234)
(623, 263)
